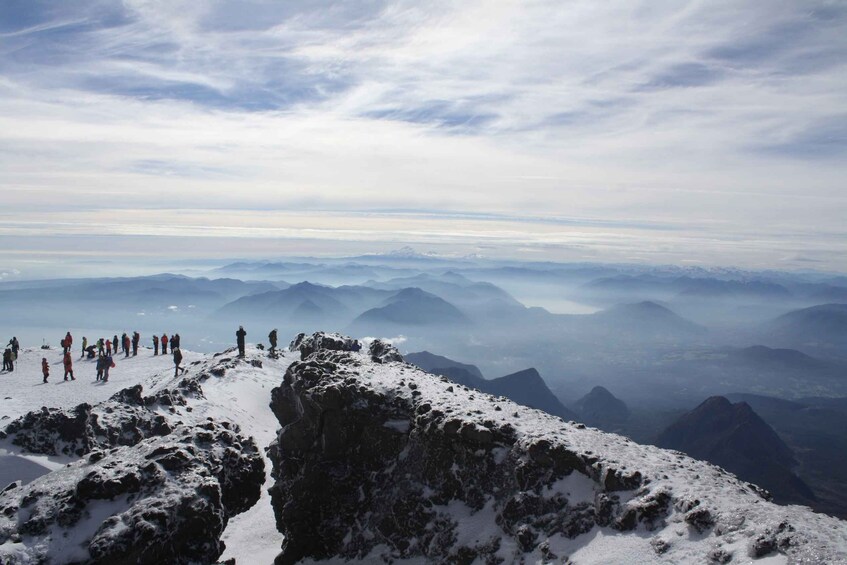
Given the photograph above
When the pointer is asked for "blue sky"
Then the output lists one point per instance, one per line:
(711, 133)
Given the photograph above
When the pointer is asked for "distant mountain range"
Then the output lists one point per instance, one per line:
(644, 319)
(819, 327)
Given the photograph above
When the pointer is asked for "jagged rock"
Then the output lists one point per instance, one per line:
(125, 419)
(377, 460)
(164, 500)
(383, 352)
(307, 345)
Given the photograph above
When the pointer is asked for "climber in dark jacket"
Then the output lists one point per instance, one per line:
(107, 364)
(136, 337)
(177, 360)
(8, 365)
(272, 339)
(155, 344)
(239, 337)
(175, 341)
(45, 368)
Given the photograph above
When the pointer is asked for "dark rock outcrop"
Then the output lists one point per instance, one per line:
(379, 461)
(164, 500)
(358, 468)
(308, 344)
(383, 352)
(125, 419)
(148, 488)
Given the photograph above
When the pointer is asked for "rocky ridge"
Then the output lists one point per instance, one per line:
(149, 483)
(380, 460)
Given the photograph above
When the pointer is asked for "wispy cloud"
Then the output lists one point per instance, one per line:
(617, 114)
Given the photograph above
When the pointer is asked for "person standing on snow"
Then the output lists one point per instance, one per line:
(69, 366)
(15, 345)
(272, 339)
(101, 359)
(239, 337)
(69, 341)
(136, 337)
(8, 365)
(174, 341)
(84, 346)
(108, 348)
(155, 344)
(164, 344)
(126, 344)
(45, 368)
(108, 363)
(115, 344)
(177, 360)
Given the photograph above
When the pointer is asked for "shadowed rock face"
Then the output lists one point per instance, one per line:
(378, 461)
(357, 467)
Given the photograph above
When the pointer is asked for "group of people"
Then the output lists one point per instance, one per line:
(126, 344)
(10, 355)
(104, 348)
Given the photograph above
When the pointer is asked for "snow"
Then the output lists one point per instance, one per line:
(242, 395)
(741, 513)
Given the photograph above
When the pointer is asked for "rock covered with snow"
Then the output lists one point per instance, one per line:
(383, 352)
(125, 419)
(378, 460)
(308, 344)
(150, 488)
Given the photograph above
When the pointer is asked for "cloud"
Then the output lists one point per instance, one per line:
(722, 118)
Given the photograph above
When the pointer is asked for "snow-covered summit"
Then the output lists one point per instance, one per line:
(376, 459)
(379, 460)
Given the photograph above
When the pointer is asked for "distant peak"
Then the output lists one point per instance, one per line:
(408, 251)
(531, 373)
(715, 402)
(600, 391)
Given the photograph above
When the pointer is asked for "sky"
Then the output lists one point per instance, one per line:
(706, 133)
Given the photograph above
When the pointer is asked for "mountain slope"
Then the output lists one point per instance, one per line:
(736, 438)
(524, 387)
(644, 319)
(380, 461)
(818, 326)
(529, 389)
(601, 408)
(433, 363)
(412, 307)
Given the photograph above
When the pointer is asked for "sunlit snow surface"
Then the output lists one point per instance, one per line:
(243, 393)
(242, 396)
